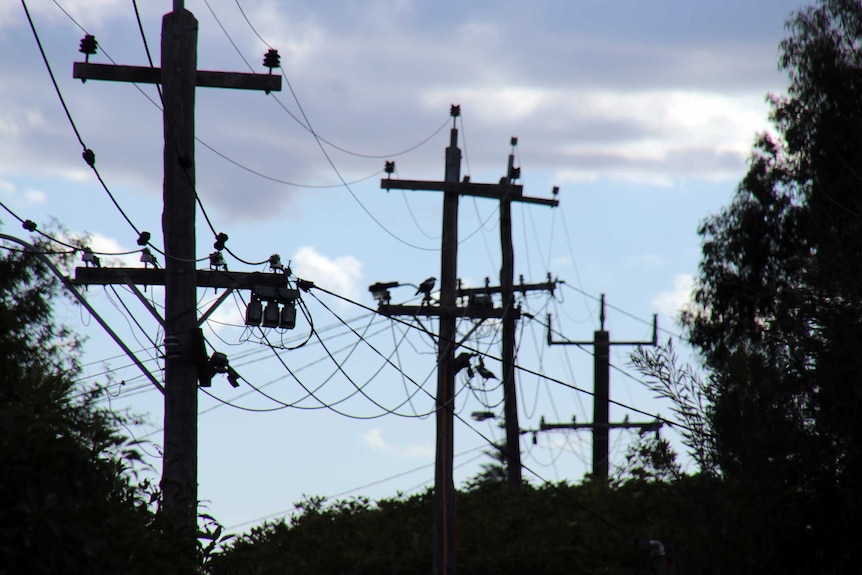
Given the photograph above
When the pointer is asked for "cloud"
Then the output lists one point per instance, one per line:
(7, 188)
(595, 98)
(35, 196)
(374, 439)
(670, 302)
(105, 245)
(342, 274)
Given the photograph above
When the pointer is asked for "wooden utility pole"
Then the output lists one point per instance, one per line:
(601, 425)
(444, 490)
(444, 542)
(512, 453)
(178, 77)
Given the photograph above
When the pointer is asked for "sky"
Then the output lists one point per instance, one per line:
(643, 113)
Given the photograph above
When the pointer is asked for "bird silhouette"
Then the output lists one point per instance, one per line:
(426, 287)
(463, 360)
(484, 371)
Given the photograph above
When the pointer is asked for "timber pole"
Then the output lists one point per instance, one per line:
(179, 77)
(512, 451)
(506, 191)
(444, 486)
(601, 403)
(601, 425)
(179, 473)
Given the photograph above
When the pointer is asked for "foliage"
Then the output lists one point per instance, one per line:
(492, 474)
(649, 458)
(692, 400)
(547, 529)
(777, 316)
(70, 498)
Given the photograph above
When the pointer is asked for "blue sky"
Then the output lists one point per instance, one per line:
(642, 113)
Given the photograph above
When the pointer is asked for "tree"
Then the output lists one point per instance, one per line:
(70, 498)
(493, 474)
(552, 528)
(777, 313)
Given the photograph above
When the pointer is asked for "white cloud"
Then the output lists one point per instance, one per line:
(670, 302)
(105, 245)
(227, 316)
(35, 196)
(342, 274)
(654, 136)
(374, 439)
(7, 188)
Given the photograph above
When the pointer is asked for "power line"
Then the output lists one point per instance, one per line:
(307, 126)
(354, 489)
(527, 370)
(88, 154)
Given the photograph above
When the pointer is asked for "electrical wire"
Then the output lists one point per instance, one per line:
(386, 359)
(624, 312)
(307, 125)
(353, 490)
(88, 154)
(533, 372)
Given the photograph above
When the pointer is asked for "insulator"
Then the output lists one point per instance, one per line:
(513, 140)
(144, 238)
(254, 312)
(221, 240)
(271, 315)
(275, 262)
(88, 45)
(288, 317)
(515, 173)
(271, 59)
(455, 110)
(29, 225)
(147, 257)
(389, 167)
(90, 258)
(217, 261)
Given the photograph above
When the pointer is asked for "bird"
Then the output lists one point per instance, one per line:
(484, 371)
(426, 287)
(463, 360)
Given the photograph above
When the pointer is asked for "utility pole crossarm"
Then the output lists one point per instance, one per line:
(156, 277)
(643, 426)
(203, 78)
(445, 312)
(523, 288)
(514, 192)
(652, 342)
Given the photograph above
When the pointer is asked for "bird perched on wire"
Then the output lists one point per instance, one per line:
(425, 288)
(484, 371)
(462, 361)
